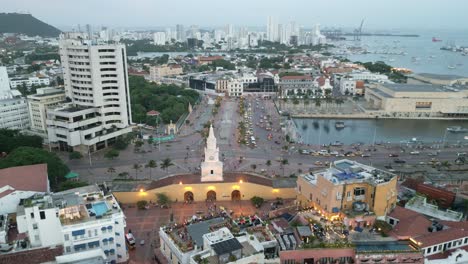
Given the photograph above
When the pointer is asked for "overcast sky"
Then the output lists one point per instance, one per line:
(379, 14)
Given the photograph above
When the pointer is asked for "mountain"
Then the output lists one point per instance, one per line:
(26, 24)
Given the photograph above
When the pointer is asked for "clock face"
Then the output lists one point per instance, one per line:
(211, 158)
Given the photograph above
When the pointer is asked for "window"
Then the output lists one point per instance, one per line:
(391, 221)
(66, 237)
(440, 247)
(310, 196)
(68, 249)
(212, 171)
(117, 234)
(34, 226)
(449, 245)
(434, 249)
(465, 241)
(32, 215)
(42, 214)
(348, 194)
(95, 232)
(36, 238)
(359, 191)
(428, 250)
(90, 233)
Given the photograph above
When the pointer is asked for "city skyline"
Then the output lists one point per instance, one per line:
(148, 14)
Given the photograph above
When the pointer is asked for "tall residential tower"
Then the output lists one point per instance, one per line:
(96, 86)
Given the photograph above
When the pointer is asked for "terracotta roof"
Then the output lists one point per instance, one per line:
(412, 226)
(304, 77)
(442, 236)
(5, 193)
(359, 84)
(402, 213)
(321, 81)
(40, 255)
(196, 178)
(152, 113)
(26, 178)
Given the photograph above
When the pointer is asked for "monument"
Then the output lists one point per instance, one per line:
(211, 167)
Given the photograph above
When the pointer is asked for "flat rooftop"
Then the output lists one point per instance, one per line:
(397, 87)
(448, 77)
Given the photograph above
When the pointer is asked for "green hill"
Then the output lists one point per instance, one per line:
(26, 24)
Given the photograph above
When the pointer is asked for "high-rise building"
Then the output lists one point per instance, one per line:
(272, 29)
(159, 38)
(40, 103)
(96, 83)
(13, 106)
(180, 33)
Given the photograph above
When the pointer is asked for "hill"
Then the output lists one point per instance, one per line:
(26, 24)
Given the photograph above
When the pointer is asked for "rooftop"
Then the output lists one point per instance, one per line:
(396, 87)
(347, 171)
(447, 77)
(419, 204)
(26, 178)
(299, 77)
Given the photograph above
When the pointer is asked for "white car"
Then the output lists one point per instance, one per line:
(414, 152)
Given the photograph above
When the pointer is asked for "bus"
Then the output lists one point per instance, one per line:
(130, 239)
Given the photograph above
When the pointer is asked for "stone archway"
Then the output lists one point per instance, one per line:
(236, 195)
(188, 197)
(211, 196)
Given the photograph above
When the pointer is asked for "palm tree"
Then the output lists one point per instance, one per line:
(166, 163)
(151, 165)
(339, 102)
(306, 101)
(136, 167)
(111, 170)
(318, 101)
(328, 100)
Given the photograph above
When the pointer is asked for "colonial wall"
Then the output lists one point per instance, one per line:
(224, 192)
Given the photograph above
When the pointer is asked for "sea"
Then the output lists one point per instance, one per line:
(421, 54)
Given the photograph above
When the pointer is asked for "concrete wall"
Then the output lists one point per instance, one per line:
(199, 190)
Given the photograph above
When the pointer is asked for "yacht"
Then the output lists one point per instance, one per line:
(456, 129)
(339, 125)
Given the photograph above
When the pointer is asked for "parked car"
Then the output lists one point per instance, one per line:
(392, 155)
(400, 161)
(414, 152)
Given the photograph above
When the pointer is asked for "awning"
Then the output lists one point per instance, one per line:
(71, 175)
(112, 251)
(104, 240)
(106, 251)
(79, 247)
(78, 232)
(111, 239)
(93, 244)
(103, 228)
(109, 227)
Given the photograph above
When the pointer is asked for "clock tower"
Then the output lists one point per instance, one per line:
(211, 168)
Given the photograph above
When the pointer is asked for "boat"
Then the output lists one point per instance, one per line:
(457, 129)
(451, 67)
(339, 125)
(434, 39)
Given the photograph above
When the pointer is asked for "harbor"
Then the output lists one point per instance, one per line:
(370, 131)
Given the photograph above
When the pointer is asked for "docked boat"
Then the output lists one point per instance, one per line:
(451, 67)
(339, 125)
(457, 129)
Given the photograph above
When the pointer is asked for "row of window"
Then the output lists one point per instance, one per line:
(446, 246)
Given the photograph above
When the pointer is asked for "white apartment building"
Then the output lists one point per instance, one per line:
(347, 85)
(29, 82)
(13, 107)
(83, 219)
(96, 82)
(235, 88)
(368, 76)
(159, 38)
(159, 72)
(39, 103)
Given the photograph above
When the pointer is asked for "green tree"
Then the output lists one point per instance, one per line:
(111, 154)
(75, 155)
(22, 156)
(12, 139)
(67, 185)
(166, 163)
(257, 201)
(151, 165)
(142, 204)
(136, 167)
(253, 166)
(268, 163)
(162, 199)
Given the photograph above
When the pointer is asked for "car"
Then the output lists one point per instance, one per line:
(433, 154)
(414, 153)
(461, 154)
(365, 155)
(400, 161)
(392, 155)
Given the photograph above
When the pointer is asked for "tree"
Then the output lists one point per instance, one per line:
(139, 143)
(318, 101)
(12, 139)
(67, 185)
(257, 201)
(253, 166)
(162, 199)
(111, 154)
(75, 155)
(136, 167)
(22, 156)
(166, 163)
(111, 170)
(142, 204)
(268, 163)
(151, 165)
(121, 143)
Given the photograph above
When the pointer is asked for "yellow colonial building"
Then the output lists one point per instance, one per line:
(212, 184)
(349, 190)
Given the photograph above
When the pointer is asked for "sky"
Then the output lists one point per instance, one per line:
(378, 14)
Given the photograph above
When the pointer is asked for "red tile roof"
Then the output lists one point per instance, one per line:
(411, 227)
(5, 193)
(26, 178)
(40, 255)
(402, 213)
(442, 236)
(359, 84)
(152, 113)
(305, 77)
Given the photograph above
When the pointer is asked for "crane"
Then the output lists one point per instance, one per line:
(358, 31)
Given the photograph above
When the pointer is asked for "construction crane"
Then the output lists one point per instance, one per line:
(358, 32)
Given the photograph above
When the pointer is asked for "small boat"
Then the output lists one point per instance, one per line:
(451, 67)
(457, 129)
(339, 125)
(336, 144)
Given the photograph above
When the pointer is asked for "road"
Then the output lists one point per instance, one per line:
(186, 151)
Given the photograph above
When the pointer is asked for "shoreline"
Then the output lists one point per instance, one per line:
(367, 116)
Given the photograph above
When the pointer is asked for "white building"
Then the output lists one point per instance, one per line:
(317, 37)
(82, 219)
(29, 82)
(39, 103)
(272, 29)
(368, 76)
(347, 86)
(212, 167)
(96, 81)
(159, 38)
(13, 107)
